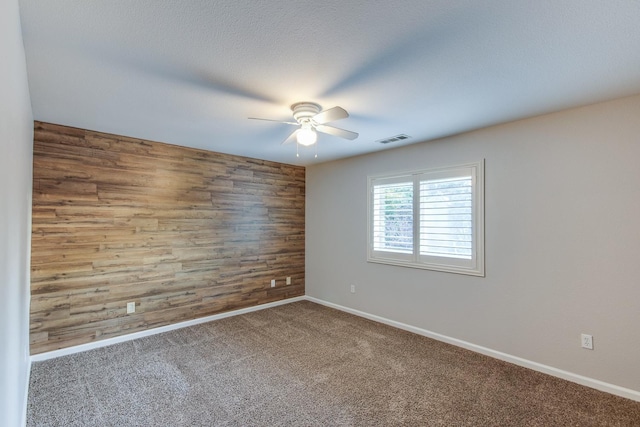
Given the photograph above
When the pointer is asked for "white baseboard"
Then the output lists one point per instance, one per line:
(550, 370)
(128, 337)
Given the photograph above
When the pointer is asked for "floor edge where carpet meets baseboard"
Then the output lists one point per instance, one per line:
(153, 331)
(546, 369)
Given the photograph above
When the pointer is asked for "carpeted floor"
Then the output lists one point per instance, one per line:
(303, 364)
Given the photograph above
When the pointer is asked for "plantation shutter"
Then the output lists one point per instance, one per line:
(446, 217)
(392, 204)
(431, 219)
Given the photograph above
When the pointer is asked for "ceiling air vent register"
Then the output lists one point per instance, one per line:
(400, 137)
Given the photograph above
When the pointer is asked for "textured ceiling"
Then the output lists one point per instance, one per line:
(191, 72)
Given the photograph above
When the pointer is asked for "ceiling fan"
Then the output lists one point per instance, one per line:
(311, 119)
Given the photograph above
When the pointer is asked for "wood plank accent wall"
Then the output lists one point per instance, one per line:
(184, 233)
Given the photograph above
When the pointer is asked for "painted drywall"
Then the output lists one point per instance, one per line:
(562, 241)
(16, 136)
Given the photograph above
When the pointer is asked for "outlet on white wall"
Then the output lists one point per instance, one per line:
(353, 289)
(587, 341)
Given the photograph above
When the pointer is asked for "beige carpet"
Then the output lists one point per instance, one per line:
(303, 364)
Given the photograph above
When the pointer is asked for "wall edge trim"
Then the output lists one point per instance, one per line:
(25, 402)
(132, 336)
(545, 369)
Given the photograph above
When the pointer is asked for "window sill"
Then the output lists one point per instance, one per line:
(479, 272)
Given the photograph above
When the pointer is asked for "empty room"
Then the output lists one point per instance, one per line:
(339, 213)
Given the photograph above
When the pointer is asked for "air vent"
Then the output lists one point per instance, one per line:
(395, 138)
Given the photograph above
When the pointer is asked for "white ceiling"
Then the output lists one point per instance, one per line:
(191, 72)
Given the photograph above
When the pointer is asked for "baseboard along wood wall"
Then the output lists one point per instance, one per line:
(546, 369)
(182, 233)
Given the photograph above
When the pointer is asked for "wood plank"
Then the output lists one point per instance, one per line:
(184, 233)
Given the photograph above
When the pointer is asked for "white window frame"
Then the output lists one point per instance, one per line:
(451, 264)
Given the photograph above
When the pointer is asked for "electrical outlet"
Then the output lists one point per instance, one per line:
(587, 341)
(353, 289)
(273, 283)
(131, 307)
(288, 280)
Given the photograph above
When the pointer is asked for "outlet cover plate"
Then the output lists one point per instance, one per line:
(587, 341)
(131, 307)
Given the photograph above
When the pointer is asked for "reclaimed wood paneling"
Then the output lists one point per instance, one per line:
(184, 233)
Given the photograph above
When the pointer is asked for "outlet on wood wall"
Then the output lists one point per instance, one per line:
(183, 233)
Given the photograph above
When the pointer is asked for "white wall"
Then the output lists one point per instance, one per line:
(562, 241)
(16, 148)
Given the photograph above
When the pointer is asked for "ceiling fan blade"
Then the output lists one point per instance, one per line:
(346, 134)
(270, 120)
(330, 115)
(291, 137)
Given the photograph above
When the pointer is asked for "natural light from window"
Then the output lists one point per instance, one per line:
(431, 219)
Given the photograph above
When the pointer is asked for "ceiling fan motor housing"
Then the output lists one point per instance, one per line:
(304, 111)
(311, 119)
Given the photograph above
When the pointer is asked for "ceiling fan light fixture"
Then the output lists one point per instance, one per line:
(306, 136)
(311, 119)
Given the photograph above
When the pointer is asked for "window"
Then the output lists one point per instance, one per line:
(432, 219)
